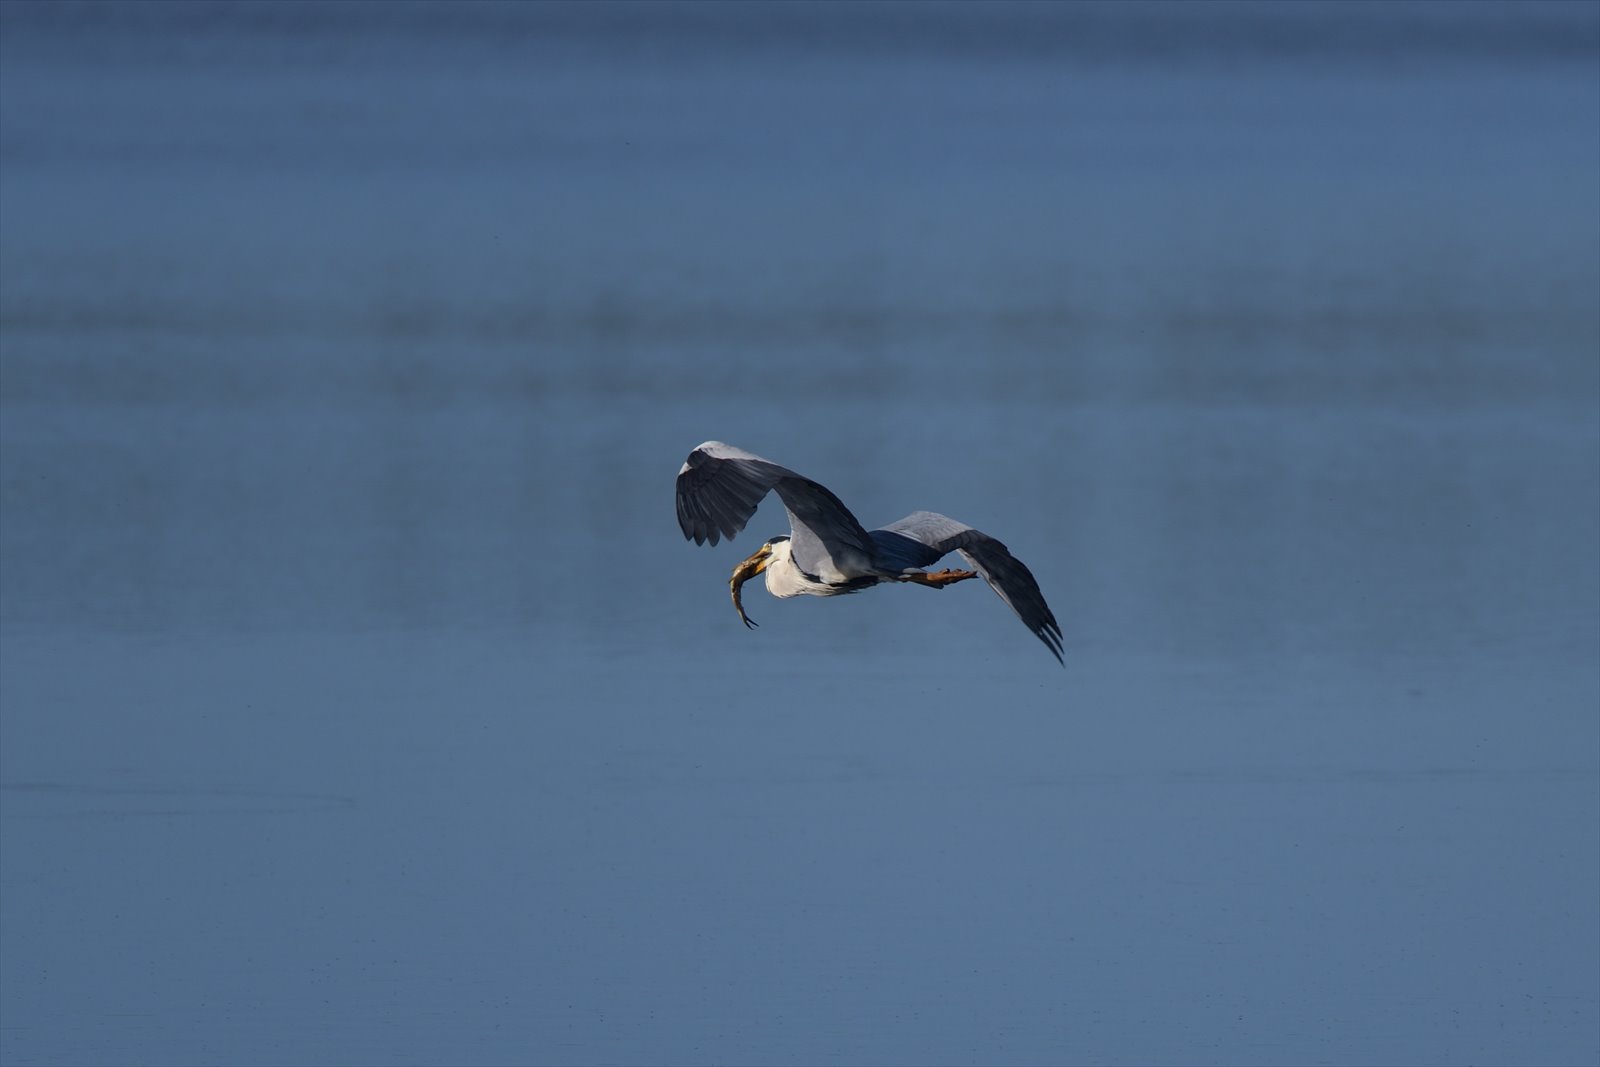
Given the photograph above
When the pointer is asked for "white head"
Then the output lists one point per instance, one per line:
(774, 553)
(784, 578)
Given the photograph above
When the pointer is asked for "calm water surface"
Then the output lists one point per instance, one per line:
(361, 702)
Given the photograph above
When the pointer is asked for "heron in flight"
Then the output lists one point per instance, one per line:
(827, 551)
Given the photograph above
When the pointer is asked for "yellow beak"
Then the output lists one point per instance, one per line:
(743, 573)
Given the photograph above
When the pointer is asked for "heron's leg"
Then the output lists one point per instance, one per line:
(939, 579)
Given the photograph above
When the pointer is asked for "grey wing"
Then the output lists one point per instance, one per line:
(719, 488)
(922, 537)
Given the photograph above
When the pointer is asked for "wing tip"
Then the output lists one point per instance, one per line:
(1052, 641)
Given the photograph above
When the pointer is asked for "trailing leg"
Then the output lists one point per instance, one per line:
(939, 579)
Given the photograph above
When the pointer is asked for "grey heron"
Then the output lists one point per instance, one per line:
(827, 552)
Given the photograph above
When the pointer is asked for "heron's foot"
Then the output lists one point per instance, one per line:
(938, 579)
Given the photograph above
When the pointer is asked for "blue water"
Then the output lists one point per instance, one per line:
(360, 701)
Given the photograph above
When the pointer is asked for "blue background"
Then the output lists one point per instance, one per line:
(361, 701)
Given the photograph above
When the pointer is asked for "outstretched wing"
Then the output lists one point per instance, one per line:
(922, 537)
(719, 488)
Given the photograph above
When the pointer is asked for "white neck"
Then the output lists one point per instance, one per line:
(784, 578)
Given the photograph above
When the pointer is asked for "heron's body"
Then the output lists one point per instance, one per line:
(785, 578)
(827, 551)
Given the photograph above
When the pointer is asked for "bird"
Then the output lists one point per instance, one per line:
(827, 552)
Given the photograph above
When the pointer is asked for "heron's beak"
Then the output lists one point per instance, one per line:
(743, 573)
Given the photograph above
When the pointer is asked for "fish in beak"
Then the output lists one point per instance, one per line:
(743, 573)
